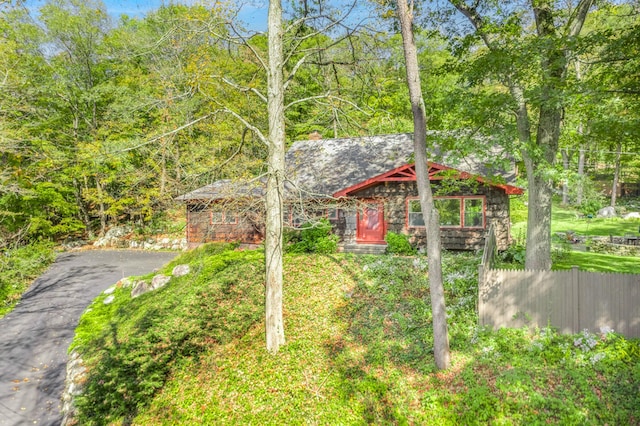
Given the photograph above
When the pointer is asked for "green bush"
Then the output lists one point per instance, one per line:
(312, 237)
(46, 210)
(399, 244)
(515, 254)
(590, 207)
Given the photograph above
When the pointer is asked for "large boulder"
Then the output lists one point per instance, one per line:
(607, 212)
(159, 281)
(140, 288)
(632, 215)
(181, 270)
(113, 236)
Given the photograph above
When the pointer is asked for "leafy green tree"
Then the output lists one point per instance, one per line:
(611, 88)
(528, 50)
(35, 204)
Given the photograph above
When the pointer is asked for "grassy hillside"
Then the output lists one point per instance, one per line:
(359, 351)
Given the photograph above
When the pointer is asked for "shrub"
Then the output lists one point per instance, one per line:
(313, 237)
(515, 254)
(593, 200)
(398, 244)
(590, 207)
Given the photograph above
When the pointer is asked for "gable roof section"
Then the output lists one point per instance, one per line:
(408, 173)
(325, 167)
(322, 167)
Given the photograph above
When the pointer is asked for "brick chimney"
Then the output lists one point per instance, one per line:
(315, 136)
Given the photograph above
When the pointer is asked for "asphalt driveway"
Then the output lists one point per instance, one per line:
(34, 338)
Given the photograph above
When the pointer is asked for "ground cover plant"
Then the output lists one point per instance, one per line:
(359, 351)
(18, 268)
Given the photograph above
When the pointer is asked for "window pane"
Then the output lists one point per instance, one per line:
(415, 213)
(333, 213)
(449, 209)
(230, 217)
(473, 212)
(217, 217)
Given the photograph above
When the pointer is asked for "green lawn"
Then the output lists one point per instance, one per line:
(359, 351)
(598, 262)
(565, 219)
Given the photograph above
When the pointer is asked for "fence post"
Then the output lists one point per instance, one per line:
(479, 304)
(575, 292)
(485, 265)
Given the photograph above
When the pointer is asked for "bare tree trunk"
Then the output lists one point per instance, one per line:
(274, 325)
(565, 183)
(440, 334)
(163, 166)
(538, 251)
(538, 244)
(82, 208)
(580, 188)
(616, 175)
(538, 247)
(101, 209)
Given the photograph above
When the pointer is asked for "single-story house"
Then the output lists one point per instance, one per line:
(365, 187)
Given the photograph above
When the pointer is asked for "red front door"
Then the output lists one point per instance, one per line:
(370, 228)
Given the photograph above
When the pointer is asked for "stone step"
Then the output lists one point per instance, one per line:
(365, 248)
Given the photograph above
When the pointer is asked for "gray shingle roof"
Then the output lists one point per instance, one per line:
(320, 168)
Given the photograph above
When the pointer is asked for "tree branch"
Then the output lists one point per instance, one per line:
(576, 22)
(150, 141)
(476, 20)
(244, 89)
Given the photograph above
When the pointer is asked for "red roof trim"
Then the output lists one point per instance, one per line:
(407, 173)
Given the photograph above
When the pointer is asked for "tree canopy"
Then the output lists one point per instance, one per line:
(105, 121)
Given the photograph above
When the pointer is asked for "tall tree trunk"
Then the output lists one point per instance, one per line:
(163, 167)
(580, 187)
(82, 208)
(101, 209)
(440, 334)
(538, 247)
(274, 325)
(565, 180)
(616, 175)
